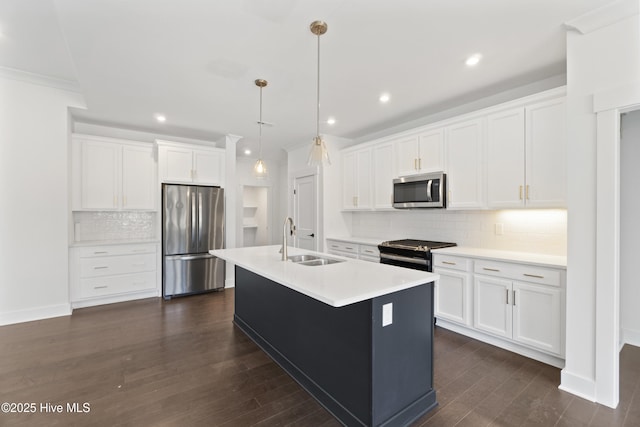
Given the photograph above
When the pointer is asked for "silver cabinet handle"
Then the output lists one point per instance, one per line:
(449, 263)
(102, 267)
(507, 295)
(349, 248)
(514, 297)
(100, 287)
(533, 275)
(100, 252)
(490, 269)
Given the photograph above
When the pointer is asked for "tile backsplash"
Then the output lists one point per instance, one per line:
(109, 226)
(526, 230)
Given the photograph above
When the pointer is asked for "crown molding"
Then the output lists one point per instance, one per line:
(603, 16)
(40, 79)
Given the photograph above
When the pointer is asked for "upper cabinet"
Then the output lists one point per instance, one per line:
(112, 174)
(526, 156)
(356, 174)
(382, 175)
(464, 166)
(421, 153)
(182, 163)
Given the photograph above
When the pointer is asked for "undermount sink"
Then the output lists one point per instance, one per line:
(312, 260)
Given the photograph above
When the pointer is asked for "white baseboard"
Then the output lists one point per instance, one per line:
(504, 344)
(37, 313)
(578, 385)
(230, 283)
(631, 336)
(114, 299)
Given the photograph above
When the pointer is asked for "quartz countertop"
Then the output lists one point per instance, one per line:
(110, 242)
(336, 284)
(358, 240)
(542, 260)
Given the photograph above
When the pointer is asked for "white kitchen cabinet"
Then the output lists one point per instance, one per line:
(526, 156)
(383, 174)
(453, 291)
(464, 165)
(111, 174)
(421, 153)
(113, 273)
(355, 250)
(183, 163)
(519, 302)
(356, 173)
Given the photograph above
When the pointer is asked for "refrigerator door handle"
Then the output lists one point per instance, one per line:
(187, 257)
(200, 220)
(193, 231)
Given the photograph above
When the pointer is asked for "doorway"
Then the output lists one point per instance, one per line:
(255, 216)
(305, 211)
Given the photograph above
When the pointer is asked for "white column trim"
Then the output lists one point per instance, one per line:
(603, 16)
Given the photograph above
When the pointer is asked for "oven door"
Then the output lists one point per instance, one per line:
(415, 263)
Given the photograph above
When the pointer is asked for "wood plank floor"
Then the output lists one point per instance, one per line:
(183, 363)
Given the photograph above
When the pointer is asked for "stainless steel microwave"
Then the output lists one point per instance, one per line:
(420, 191)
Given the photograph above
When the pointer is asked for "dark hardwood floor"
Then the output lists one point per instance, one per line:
(183, 363)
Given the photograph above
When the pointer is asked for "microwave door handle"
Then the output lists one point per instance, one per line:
(429, 183)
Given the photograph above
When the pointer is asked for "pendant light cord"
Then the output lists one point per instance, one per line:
(318, 94)
(260, 134)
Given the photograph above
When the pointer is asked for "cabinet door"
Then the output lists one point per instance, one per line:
(431, 151)
(208, 167)
(349, 190)
(546, 161)
(492, 305)
(176, 164)
(537, 316)
(407, 156)
(363, 179)
(383, 174)
(451, 296)
(464, 157)
(100, 170)
(505, 159)
(138, 178)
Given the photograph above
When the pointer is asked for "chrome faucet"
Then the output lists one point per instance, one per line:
(292, 230)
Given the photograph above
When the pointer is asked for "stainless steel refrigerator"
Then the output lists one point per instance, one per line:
(193, 223)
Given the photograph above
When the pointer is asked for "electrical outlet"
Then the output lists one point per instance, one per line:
(387, 314)
(499, 229)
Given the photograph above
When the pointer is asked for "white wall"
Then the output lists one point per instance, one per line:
(598, 58)
(34, 170)
(526, 230)
(630, 229)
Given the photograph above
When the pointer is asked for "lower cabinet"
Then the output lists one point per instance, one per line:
(353, 250)
(517, 306)
(113, 273)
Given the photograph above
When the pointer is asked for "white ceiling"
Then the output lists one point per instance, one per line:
(195, 61)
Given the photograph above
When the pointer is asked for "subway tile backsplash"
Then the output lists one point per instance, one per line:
(525, 230)
(109, 226)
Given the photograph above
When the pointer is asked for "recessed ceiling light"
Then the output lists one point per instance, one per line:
(161, 118)
(331, 121)
(473, 60)
(247, 152)
(384, 98)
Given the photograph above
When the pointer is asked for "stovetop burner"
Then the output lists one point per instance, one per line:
(416, 245)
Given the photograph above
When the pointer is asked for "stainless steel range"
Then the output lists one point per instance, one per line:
(410, 253)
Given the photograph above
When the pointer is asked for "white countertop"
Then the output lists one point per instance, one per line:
(542, 260)
(111, 242)
(337, 284)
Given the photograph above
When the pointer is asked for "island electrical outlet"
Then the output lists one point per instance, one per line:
(387, 314)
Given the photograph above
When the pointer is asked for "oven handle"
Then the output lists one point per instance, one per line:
(404, 259)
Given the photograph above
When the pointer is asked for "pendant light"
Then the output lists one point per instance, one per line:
(319, 152)
(259, 169)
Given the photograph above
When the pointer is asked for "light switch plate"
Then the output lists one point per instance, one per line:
(499, 229)
(387, 314)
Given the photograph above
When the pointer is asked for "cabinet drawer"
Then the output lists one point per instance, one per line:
(521, 272)
(369, 251)
(102, 286)
(125, 264)
(451, 262)
(342, 246)
(101, 251)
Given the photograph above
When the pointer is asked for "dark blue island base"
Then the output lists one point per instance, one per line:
(363, 373)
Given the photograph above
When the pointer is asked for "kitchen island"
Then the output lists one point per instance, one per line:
(358, 336)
